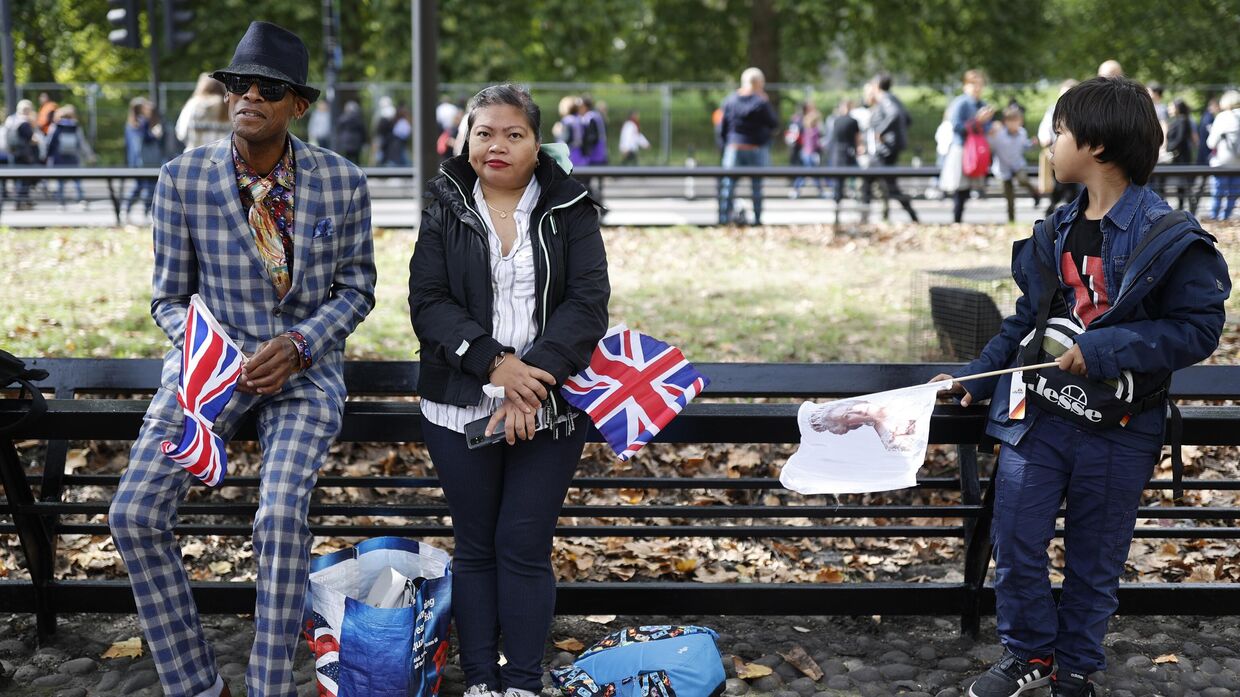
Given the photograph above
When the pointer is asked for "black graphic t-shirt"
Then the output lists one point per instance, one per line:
(1082, 271)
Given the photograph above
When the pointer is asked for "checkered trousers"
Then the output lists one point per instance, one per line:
(295, 428)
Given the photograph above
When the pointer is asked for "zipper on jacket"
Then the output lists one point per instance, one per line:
(547, 282)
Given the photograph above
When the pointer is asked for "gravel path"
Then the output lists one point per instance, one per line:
(912, 656)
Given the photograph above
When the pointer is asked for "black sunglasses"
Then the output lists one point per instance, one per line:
(271, 90)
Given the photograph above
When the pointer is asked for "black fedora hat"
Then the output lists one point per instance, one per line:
(273, 52)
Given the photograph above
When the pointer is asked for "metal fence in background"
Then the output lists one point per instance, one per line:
(676, 116)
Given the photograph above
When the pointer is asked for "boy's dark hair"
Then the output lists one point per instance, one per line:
(1117, 114)
(883, 80)
(509, 94)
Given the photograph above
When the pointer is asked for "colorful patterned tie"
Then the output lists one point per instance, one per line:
(267, 235)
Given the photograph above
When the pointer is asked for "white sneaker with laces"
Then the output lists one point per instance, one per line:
(481, 690)
(515, 692)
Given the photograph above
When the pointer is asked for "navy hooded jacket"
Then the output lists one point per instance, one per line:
(1167, 314)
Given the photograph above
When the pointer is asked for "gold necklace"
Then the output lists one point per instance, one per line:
(502, 214)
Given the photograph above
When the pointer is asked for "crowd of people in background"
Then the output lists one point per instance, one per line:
(870, 130)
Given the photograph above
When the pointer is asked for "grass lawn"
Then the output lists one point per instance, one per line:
(763, 294)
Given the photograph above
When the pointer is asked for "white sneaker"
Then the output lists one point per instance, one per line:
(514, 692)
(481, 690)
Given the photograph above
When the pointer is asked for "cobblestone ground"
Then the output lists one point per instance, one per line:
(911, 656)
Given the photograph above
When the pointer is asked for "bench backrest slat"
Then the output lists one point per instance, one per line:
(69, 376)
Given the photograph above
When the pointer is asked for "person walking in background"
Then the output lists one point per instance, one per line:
(385, 119)
(568, 129)
(1059, 191)
(445, 145)
(593, 133)
(1181, 146)
(448, 115)
(810, 150)
(67, 147)
(204, 118)
(593, 142)
(319, 126)
(47, 112)
(631, 139)
(23, 136)
(400, 152)
(1110, 68)
(351, 132)
(843, 140)
(1009, 141)
(143, 137)
(1203, 131)
(745, 129)
(968, 113)
(1201, 185)
(889, 123)
(1224, 140)
(792, 134)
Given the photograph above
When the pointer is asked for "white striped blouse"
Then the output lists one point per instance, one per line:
(512, 306)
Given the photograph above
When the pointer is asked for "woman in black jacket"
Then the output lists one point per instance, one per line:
(508, 289)
(1180, 144)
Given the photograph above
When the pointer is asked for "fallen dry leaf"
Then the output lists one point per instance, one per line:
(803, 630)
(129, 648)
(220, 568)
(797, 658)
(570, 644)
(749, 671)
(1167, 658)
(600, 619)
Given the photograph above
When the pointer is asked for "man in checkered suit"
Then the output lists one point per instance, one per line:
(290, 314)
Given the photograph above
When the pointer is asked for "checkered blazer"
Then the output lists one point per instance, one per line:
(203, 244)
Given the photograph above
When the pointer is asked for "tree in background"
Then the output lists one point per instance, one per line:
(678, 40)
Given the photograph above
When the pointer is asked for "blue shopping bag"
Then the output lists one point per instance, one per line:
(378, 619)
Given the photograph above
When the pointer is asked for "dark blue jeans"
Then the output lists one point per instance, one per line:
(1099, 478)
(505, 502)
(735, 158)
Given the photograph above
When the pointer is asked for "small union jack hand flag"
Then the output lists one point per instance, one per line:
(210, 369)
(635, 385)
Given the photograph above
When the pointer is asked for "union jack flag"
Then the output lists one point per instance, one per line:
(321, 639)
(210, 368)
(635, 385)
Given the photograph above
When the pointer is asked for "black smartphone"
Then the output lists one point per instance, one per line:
(475, 433)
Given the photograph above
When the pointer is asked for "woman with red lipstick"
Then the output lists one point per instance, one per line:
(507, 288)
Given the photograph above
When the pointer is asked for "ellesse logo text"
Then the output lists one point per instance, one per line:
(1072, 399)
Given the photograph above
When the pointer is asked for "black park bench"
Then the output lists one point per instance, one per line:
(104, 399)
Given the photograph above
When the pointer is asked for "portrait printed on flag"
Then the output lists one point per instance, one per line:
(875, 442)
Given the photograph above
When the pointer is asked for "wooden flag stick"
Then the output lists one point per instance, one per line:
(1006, 370)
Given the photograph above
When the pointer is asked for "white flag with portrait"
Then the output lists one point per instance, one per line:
(875, 442)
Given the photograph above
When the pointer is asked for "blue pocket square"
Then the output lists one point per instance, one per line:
(324, 228)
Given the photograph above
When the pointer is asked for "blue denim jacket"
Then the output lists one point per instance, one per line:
(962, 110)
(1167, 313)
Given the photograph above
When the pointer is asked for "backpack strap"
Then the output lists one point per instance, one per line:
(15, 371)
(38, 405)
(1050, 285)
(1176, 432)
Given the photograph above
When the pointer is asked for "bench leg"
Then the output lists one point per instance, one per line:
(977, 551)
(32, 531)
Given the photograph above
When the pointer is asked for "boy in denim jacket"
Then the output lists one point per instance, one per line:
(1141, 310)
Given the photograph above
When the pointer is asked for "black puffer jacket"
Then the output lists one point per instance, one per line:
(450, 292)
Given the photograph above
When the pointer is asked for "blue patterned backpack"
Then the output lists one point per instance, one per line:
(657, 661)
